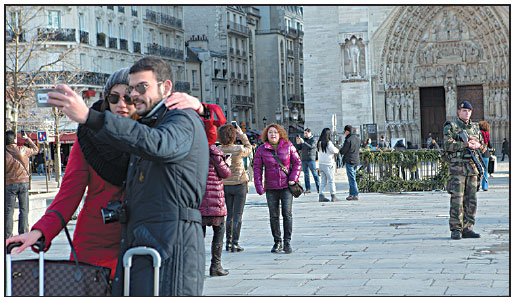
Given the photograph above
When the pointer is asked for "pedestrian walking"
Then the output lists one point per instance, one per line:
(350, 152)
(166, 180)
(17, 177)
(308, 148)
(39, 160)
(463, 179)
(213, 208)
(326, 156)
(484, 127)
(506, 148)
(275, 182)
(235, 186)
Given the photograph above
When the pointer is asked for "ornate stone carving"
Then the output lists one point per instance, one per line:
(403, 107)
(410, 100)
(389, 107)
(354, 59)
(498, 107)
(396, 96)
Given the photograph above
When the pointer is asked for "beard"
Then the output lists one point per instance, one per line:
(149, 106)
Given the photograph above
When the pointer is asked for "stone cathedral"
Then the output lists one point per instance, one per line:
(405, 68)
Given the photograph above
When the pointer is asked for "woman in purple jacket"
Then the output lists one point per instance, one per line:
(276, 182)
(213, 207)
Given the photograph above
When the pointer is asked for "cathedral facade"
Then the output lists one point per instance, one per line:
(404, 69)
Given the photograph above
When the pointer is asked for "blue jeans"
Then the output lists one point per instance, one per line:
(350, 172)
(484, 183)
(12, 191)
(306, 165)
(41, 169)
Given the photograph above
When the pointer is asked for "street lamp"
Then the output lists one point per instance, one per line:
(265, 121)
(278, 115)
(235, 112)
(286, 119)
(294, 114)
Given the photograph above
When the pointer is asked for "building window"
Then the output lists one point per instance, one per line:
(99, 26)
(54, 19)
(134, 12)
(135, 34)
(194, 78)
(121, 31)
(110, 29)
(81, 22)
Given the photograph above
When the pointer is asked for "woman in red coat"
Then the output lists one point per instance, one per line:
(100, 169)
(213, 206)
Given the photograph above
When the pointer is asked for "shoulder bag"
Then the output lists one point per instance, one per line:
(296, 188)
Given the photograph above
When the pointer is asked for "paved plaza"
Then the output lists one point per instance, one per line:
(395, 244)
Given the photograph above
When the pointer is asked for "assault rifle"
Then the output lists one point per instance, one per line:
(473, 154)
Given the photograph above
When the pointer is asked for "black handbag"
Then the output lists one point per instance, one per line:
(296, 188)
(60, 277)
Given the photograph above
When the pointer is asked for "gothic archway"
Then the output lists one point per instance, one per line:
(446, 46)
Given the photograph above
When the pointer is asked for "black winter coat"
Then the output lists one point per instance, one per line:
(350, 150)
(308, 148)
(166, 181)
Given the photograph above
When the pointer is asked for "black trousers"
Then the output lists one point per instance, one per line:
(275, 198)
(235, 198)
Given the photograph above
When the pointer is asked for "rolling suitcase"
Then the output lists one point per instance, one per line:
(127, 261)
(54, 277)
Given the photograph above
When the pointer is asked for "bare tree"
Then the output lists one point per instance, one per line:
(29, 56)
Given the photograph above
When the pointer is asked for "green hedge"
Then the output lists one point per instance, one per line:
(409, 160)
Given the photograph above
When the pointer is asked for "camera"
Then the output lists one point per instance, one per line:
(42, 96)
(114, 211)
(234, 123)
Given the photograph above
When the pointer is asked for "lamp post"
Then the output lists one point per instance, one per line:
(265, 121)
(278, 115)
(286, 118)
(235, 113)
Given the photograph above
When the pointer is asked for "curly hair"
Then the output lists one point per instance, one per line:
(227, 134)
(484, 126)
(280, 129)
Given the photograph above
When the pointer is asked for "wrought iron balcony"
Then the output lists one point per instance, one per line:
(137, 47)
(84, 37)
(84, 78)
(163, 19)
(155, 49)
(123, 44)
(113, 42)
(10, 36)
(101, 39)
(238, 28)
(56, 34)
(181, 86)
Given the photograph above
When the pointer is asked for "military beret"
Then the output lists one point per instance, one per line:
(465, 104)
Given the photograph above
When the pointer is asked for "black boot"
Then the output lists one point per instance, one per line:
(215, 267)
(228, 236)
(236, 247)
(334, 198)
(469, 234)
(456, 235)
(277, 248)
(287, 247)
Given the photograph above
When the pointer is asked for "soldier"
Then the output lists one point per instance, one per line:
(463, 181)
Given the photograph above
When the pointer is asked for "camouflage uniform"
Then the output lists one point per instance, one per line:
(463, 179)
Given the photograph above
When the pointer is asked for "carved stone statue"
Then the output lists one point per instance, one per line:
(491, 103)
(497, 100)
(397, 107)
(451, 98)
(354, 55)
(410, 113)
(389, 107)
(403, 107)
(504, 102)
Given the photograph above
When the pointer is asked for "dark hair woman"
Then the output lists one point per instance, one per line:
(327, 162)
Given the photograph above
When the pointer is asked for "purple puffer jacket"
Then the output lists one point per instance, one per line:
(213, 201)
(275, 178)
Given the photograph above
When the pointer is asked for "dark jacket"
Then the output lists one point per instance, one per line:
(166, 181)
(274, 177)
(15, 172)
(308, 148)
(213, 202)
(506, 147)
(350, 149)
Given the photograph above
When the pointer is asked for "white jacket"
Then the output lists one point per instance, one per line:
(325, 158)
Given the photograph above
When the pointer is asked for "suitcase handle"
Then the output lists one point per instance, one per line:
(39, 245)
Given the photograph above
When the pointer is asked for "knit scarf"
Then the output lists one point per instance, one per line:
(110, 164)
(486, 136)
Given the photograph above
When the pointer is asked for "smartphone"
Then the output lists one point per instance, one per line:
(227, 156)
(42, 96)
(234, 123)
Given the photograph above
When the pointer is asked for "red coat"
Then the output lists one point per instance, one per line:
(213, 201)
(94, 242)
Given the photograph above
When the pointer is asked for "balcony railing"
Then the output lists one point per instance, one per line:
(238, 28)
(163, 19)
(56, 34)
(84, 37)
(155, 49)
(181, 86)
(113, 42)
(101, 39)
(10, 36)
(123, 44)
(242, 100)
(84, 78)
(136, 47)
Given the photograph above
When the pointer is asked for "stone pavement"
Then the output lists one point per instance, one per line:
(395, 244)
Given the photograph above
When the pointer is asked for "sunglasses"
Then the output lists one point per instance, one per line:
(140, 88)
(114, 98)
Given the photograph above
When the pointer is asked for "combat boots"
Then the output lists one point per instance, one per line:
(287, 247)
(469, 234)
(456, 235)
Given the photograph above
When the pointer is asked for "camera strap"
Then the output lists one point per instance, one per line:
(122, 191)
